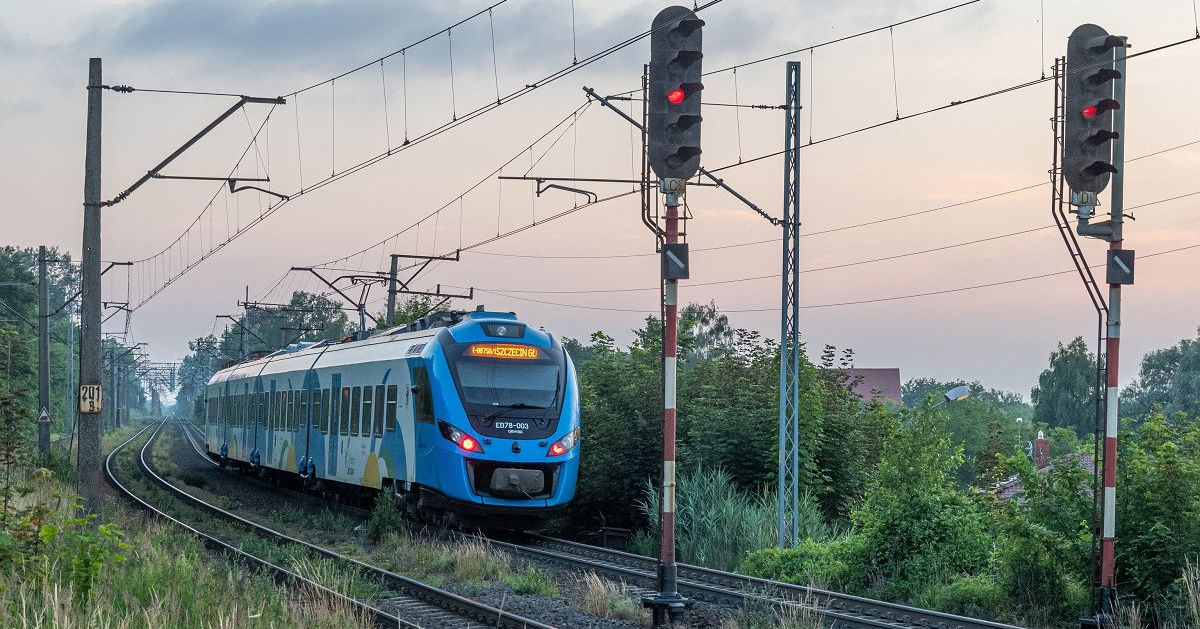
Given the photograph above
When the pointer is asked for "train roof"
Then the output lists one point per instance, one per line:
(384, 345)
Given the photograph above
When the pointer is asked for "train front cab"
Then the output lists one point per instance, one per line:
(504, 409)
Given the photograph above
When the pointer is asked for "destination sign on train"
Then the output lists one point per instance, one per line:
(504, 350)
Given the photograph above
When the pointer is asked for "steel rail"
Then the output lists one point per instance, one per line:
(725, 588)
(474, 612)
(843, 610)
(380, 617)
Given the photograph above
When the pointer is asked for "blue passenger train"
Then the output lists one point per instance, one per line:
(468, 416)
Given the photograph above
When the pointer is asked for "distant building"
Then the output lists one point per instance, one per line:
(872, 383)
(1011, 487)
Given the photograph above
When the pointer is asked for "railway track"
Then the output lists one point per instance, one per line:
(416, 605)
(838, 611)
(726, 589)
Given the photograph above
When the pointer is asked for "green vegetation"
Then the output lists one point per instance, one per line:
(119, 569)
(899, 502)
(608, 599)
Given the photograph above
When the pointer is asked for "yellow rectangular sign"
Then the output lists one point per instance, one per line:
(504, 350)
(91, 398)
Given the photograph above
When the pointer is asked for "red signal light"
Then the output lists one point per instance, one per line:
(557, 449)
(469, 444)
(676, 96)
(1090, 111)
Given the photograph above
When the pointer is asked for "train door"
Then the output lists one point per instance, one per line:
(333, 438)
(303, 421)
(243, 451)
(223, 419)
(273, 411)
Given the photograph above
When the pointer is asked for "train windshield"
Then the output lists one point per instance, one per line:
(502, 385)
(508, 384)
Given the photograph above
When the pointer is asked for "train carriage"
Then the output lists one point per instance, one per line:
(471, 415)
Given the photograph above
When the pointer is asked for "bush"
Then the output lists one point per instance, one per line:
(812, 563)
(385, 518)
(978, 596)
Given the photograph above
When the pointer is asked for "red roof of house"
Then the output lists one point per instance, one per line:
(883, 383)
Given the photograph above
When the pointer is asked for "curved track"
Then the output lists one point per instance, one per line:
(381, 618)
(426, 605)
(839, 611)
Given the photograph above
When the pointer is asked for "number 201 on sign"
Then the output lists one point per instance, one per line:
(90, 398)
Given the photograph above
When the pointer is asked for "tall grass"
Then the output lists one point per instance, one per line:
(159, 577)
(1181, 610)
(716, 524)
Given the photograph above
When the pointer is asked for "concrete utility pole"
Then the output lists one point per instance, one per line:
(391, 302)
(43, 420)
(245, 309)
(90, 366)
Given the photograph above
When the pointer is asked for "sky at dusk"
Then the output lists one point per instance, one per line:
(580, 269)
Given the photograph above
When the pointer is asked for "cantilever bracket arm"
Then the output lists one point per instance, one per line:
(361, 307)
(243, 326)
(153, 172)
(80, 291)
(233, 182)
(542, 186)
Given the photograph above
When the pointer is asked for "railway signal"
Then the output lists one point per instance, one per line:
(674, 94)
(1089, 134)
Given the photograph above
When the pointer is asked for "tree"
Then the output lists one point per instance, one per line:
(410, 310)
(1158, 501)
(1168, 377)
(1064, 395)
(915, 526)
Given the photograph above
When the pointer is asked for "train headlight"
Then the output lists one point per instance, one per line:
(564, 445)
(460, 438)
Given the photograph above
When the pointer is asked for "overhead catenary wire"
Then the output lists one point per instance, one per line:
(938, 108)
(837, 304)
(410, 142)
(858, 225)
(831, 267)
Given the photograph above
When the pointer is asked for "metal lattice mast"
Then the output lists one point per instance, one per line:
(789, 333)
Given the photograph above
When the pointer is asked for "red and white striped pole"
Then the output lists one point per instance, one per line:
(1109, 518)
(1108, 532)
(668, 603)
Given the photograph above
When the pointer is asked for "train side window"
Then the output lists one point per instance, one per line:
(368, 406)
(316, 408)
(325, 411)
(295, 415)
(303, 408)
(345, 411)
(422, 395)
(378, 428)
(289, 409)
(392, 394)
(355, 408)
(262, 408)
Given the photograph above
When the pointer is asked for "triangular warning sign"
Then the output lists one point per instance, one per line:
(44, 417)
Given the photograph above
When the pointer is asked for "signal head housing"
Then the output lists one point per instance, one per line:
(1088, 133)
(674, 93)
